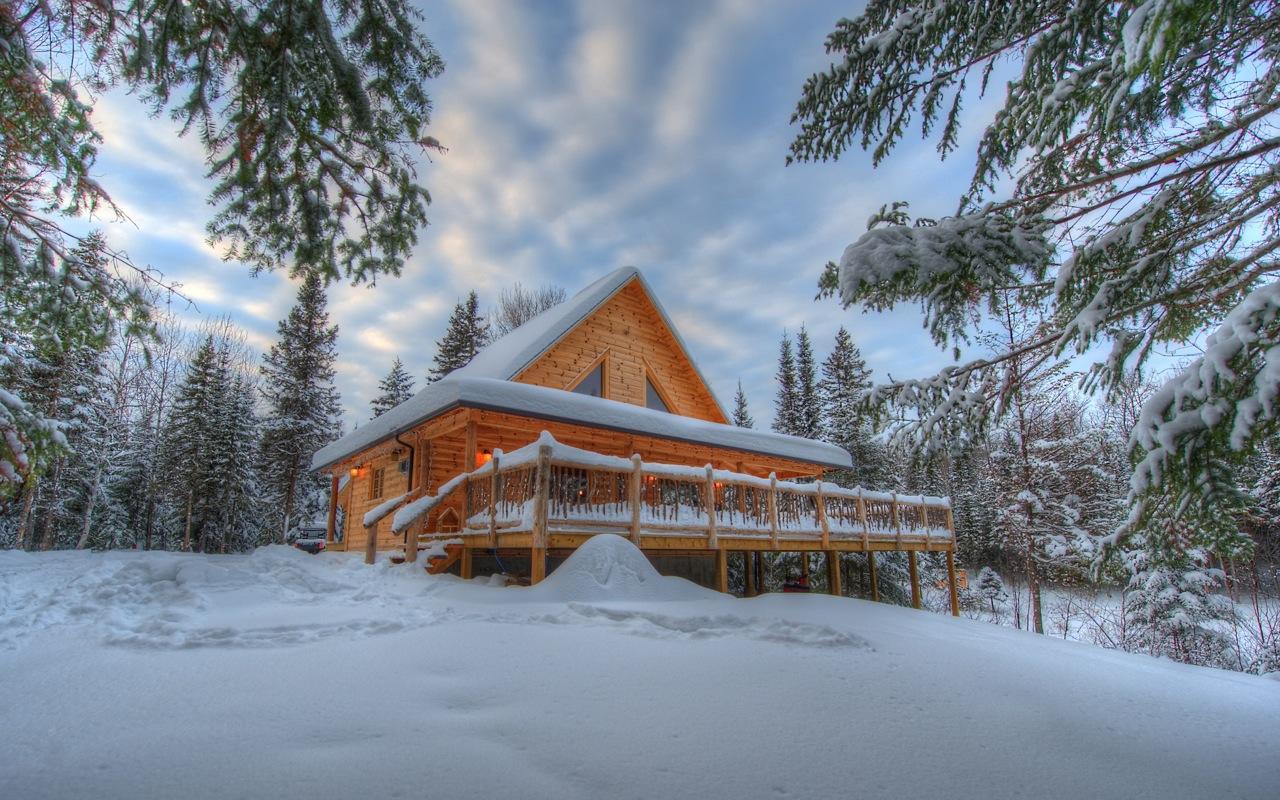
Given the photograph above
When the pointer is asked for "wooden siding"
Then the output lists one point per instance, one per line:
(632, 336)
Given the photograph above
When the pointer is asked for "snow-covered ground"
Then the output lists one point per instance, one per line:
(278, 674)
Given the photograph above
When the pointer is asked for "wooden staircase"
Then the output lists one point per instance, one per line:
(437, 564)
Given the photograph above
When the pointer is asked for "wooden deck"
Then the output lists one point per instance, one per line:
(551, 496)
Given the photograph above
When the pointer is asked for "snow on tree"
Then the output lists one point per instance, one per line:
(519, 304)
(842, 390)
(393, 390)
(1173, 604)
(990, 587)
(786, 412)
(741, 415)
(303, 411)
(1138, 144)
(808, 403)
(465, 334)
(351, 106)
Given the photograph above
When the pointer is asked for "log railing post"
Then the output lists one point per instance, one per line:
(712, 541)
(773, 509)
(897, 520)
(924, 520)
(951, 582)
(862, 519)
(822, 518)
(633, 492)
(538, 551)
(494, 486)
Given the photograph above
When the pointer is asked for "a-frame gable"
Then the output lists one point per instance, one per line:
(630, 334)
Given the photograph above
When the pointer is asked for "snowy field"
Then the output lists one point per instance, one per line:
(278, 674)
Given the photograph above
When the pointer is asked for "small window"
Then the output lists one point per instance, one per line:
(652, 398)
(593, 383)
(375, 482)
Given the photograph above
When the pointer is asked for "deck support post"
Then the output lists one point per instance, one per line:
(951, 583)
(804, 567)
(332, 523)
(749, 574)
(538, 552)
(467, 563)
(633, 496)
(833, 573)
(722, 570)
(871, 574)
(914, 570)
(370, 543)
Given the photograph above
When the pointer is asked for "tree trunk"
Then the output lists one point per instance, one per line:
(186, 535)
(1033, 587)
(49, 532)
(24, 515)
(88, 511)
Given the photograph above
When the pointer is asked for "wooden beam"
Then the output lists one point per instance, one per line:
(722, 571)
(871, 573)
(634, 484)
(538, 550)
(749, 572)
(914, 571)
(833, 573)
(332, 523)
(468, 558)
(469, 447)
(951, 583)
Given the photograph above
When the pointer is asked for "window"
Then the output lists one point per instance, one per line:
(593, 383)
(375, 482)
(653, 398)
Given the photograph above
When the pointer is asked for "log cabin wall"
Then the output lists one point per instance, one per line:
(634, 340)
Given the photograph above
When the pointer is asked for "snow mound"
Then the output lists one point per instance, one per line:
(608, 567)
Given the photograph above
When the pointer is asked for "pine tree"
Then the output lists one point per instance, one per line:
(842, 390)
(303, 412)
(742, 416)
(466, 333)
(990, 587)
(808, 404)
(352, 106)
(392, 390)
(1129, 247)
(786, 407)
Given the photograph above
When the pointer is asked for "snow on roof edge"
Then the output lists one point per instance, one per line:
(561, 406)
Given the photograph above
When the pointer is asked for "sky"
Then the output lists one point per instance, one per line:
(582, 137)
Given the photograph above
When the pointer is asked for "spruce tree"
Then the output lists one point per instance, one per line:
(466, 333)
(808, 404)
(786, 406)
(1127, 182)
(990, 587)
(742, 416)
(842, 390)
(302, 405)
(392, 390)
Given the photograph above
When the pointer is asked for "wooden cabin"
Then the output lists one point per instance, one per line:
(593, 417)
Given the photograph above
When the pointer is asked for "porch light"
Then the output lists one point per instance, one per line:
(355, 472)
(483, 457)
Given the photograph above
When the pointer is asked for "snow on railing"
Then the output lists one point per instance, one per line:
(549, 485)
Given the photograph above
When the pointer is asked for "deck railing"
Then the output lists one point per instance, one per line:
(548, 487)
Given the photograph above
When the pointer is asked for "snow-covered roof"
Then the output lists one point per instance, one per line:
(507, 357)
(458, 390)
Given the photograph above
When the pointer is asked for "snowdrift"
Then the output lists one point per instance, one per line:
(610, 568)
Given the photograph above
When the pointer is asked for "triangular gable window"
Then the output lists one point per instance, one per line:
(593, 383)
(652, 398)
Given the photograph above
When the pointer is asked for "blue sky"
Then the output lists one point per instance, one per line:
(583, 137)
